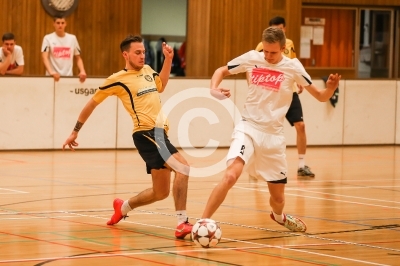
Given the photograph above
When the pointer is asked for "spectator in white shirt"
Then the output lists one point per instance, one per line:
(11, 56)
(58, 51)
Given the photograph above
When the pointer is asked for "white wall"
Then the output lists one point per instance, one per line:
(26, 113)
(38, 114)
(124, 128)
(370, 112)
(70, 97)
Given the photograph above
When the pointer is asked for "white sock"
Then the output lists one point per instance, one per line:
(182, 217)
(125, 208)
(278, 217)
(302, 160)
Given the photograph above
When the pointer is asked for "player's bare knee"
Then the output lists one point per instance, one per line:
(162, 194)
(181, 177)
(230, 178)
(186, 169)
(300, 126)
(183, 169)
(278, 199)
(179, 165)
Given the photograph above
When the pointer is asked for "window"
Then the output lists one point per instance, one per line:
(353, 40)
(376, 43)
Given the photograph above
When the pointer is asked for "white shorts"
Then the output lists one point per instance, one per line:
(263, 153)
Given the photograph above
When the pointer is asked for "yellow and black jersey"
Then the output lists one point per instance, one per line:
(288, 52)
(139, 93)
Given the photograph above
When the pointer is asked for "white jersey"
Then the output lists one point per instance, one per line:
(270, 88)
(17, 57)
(62, 51)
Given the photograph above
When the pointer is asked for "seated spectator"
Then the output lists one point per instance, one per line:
(11, 56)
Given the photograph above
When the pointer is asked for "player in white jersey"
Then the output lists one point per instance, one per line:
(258, 139)
(11, 56)
(295, 113)
(58, 51)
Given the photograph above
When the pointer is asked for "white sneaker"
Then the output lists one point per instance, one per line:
(292, 223)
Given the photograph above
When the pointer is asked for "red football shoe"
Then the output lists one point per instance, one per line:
(117, 216)
(183, 229)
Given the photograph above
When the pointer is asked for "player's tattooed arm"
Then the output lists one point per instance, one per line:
(78, 126)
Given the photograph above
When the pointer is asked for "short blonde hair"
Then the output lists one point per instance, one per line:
(273, 35)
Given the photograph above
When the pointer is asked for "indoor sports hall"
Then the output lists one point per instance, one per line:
(55, 203)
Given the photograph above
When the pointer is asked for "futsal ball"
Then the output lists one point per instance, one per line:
(206, 233)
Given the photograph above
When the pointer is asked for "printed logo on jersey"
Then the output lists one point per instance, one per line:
(286, 51)
(62, 52)
(148, 78)
(242, 150)
(12, 66)
(144, 91)
(268, 78)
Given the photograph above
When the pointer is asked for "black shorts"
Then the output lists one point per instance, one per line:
(295, 112)
(281, 181)
(154, 147)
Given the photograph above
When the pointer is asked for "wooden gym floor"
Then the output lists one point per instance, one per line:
(54, 206)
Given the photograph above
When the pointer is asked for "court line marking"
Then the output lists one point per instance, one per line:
(261, 246)
(13, 190)
(281, 232)
(44, 217)
(339, 195)
(57, 180)
(258, 246)
(162, 252)
(346, 196)
(144, 212)
(264, 229)
(310, 197)
(71, 246)
(309, 252)
(61, 211)
(294, 181)
(293, 186)
(246, 226)
(347, 187)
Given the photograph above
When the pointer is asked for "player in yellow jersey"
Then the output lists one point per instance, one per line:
(295, 112)
(138, 87)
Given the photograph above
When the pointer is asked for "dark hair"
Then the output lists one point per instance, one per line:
(58, 17)
(8, 36)
(277, 21)
(126, 43)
